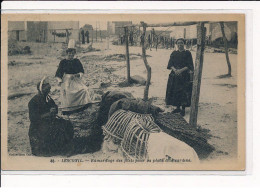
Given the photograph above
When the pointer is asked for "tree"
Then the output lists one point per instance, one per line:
(147, 66)
(226, 47)
(201, 31)
(127, 56)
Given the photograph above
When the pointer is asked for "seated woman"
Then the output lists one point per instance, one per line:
(74, 93)
(48, 134)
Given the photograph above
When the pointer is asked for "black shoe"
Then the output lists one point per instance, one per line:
(177, 110)
(182, 112)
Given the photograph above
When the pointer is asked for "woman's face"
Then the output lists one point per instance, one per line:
(180, 45)
(71, 55)
(46, 88)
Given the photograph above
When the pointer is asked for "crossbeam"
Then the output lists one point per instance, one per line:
(164, 24)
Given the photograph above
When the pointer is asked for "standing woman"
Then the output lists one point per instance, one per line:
(179, 87)
(74, 93)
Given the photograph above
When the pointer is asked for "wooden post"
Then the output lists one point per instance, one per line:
(96, 31)
(67, 36)
(92, 34)
(201, 32)
(226, 47)
(148, 67)
(127, 56)
(100, 35)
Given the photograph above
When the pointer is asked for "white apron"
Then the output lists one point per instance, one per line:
(74, 93)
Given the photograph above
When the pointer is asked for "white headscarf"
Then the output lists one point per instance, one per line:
(40, 88)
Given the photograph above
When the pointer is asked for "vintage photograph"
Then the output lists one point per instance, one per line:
(123, 92)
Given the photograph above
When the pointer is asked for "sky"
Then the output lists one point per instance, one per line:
(103, 25)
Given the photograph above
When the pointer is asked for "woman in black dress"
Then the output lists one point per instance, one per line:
(74, 93)
(49, 135)
(179, 87)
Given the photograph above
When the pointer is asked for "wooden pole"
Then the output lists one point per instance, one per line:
(127, 56)
(96, 31)
(226, 47)
(201, 32)
(148, 67)
(67, 36)
(92, 34)
(100, 31)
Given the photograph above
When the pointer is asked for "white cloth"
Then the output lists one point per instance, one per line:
(74, 92)
(161, 146)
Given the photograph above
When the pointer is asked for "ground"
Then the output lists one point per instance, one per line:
(218, 97)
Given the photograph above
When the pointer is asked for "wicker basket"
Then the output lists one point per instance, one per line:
(118, 122)
(134, 143)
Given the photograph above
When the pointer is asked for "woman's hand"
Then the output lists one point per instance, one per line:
(53, 112)
(77, 75)
(178, 72)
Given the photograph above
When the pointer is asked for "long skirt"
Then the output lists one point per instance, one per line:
(51, 137)
(179, 90)
(74, 93)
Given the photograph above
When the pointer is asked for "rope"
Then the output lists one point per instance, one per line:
(163, 31)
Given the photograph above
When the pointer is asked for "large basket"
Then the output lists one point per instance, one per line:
(118, 122)
(134, 143)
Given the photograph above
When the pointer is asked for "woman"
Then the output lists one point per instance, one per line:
(74, 93)
(48, 134)
(179, 87)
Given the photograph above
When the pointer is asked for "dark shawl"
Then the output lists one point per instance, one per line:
(48, 136)
(73, 66)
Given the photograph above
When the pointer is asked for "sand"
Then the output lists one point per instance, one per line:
(218, 97)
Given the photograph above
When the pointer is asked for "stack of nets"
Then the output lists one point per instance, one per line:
(83, 120)
(135, 105)
(107, 100)
(176, 126)
(88, 135)
(119, 121)
(134, 143)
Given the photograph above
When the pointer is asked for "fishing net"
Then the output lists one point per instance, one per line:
(176, 126)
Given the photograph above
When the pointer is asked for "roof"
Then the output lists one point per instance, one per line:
(62, 25)
(16, 25)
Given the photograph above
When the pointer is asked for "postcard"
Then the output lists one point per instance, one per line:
(123, 92)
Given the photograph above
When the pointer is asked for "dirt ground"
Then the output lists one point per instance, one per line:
(218, 97)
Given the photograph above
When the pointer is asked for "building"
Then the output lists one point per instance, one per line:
(49, 31)
(17, 30)
(115, 27)
(37, 31)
